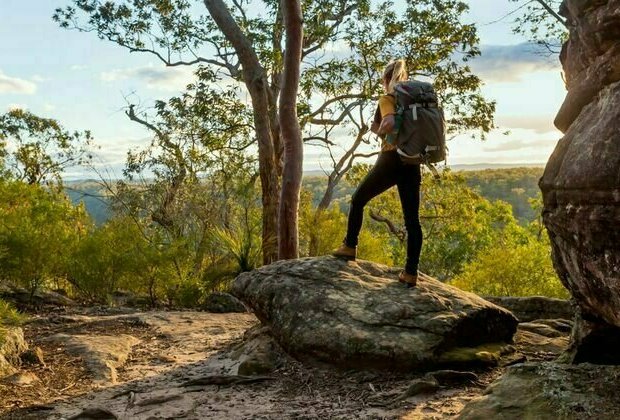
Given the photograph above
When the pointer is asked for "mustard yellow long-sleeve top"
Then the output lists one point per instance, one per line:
(387, 106)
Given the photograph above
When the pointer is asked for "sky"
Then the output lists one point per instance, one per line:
(85, 83)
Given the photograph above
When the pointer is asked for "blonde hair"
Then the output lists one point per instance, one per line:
(395, 71)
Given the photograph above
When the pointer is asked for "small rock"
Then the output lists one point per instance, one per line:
(540, 329)
(260, 355)
(562, 325)
(421, 386)
(223, 303)
(452, 376)
(530, 342)
(33, 357)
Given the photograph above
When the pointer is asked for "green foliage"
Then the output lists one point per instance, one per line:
(456, 221)
(38, 229)
(125, 255)
(541, 24)
(8, 317)
(320, 231)
(512, 269)
(37, 150)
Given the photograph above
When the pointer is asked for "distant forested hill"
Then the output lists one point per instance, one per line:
(513, 185)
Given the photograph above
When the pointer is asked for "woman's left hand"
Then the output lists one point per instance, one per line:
(387, 124)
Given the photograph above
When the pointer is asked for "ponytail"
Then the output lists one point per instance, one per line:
(395, 71)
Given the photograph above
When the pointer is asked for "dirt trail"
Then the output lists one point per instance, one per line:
(176, 347)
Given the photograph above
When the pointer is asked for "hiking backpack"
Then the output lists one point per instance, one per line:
(419, 132)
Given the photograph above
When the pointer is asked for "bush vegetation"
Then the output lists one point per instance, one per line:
(46, 241)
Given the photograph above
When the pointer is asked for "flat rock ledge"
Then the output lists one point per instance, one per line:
(102, 354)
(357, 315)
(550, 390)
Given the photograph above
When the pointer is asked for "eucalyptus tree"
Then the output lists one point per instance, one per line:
(185, 180)
(38, 150)
(345, 44)
(241, 38)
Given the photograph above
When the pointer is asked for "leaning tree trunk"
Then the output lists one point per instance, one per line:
(255, 79)
(290, 131)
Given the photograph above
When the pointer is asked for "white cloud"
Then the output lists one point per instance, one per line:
(10, 84)
(78, 67)
(156, 77)
(511, 63)
(519, 144)
(40, 79)
(540, 124)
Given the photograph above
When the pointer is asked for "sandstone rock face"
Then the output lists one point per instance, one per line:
(550, 391)
(581, 183)
(357, 315)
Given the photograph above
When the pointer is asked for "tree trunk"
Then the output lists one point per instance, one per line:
(255, 79)
(290, 131)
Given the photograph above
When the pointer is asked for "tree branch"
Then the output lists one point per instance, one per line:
(338, 120)
(553, 13)
(399, 233)
(327, 103)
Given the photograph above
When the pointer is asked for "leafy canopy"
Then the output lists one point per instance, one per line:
(37, 150)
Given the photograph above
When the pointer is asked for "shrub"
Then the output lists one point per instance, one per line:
(522, 269)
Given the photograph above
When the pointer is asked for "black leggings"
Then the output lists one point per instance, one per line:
(387, 172)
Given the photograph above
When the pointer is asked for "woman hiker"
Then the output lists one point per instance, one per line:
(388, 171)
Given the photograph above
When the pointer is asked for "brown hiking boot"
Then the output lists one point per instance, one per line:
(345, 252)
(409, 279)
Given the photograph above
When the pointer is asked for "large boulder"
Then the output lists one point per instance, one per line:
(357, 315)
(581, 183)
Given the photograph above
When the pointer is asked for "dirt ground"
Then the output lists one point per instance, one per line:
(177, 347)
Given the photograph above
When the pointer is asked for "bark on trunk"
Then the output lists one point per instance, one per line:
(255, 79)
(290, 131)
